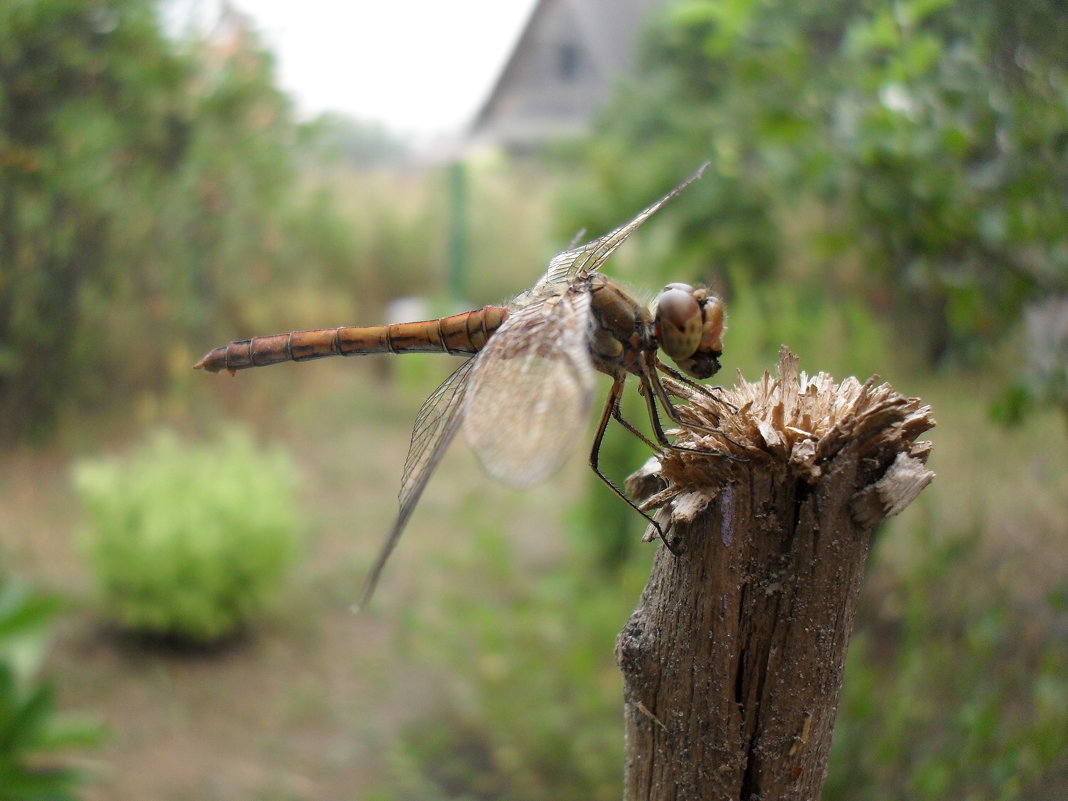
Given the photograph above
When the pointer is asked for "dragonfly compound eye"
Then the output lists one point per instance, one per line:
(679, 323)
(704, 361)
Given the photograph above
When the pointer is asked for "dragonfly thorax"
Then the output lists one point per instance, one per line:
(621, 327)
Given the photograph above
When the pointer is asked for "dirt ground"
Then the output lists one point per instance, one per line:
(307, 702)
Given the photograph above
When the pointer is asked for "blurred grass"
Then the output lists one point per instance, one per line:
(485, 667)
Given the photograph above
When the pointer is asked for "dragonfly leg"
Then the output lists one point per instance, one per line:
(617, 413)
(611, 410)
(651, 395)
(652, 386)
(682, 378)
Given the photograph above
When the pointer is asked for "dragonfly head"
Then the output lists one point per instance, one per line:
(690, 322)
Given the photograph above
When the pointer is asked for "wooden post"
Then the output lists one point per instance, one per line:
(733, 660)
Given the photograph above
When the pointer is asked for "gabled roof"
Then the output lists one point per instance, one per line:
(611, 29)
(562, 69)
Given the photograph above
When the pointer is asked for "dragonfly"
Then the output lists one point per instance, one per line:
(523, 397)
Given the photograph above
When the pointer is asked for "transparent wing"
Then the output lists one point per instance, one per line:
(591, 256)
(529, 393)
(435, 426)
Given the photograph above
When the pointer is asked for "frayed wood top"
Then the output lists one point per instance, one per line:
(796, 425)
(737, 646)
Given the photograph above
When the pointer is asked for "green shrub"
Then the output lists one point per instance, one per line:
(189, 541)
(31, 730)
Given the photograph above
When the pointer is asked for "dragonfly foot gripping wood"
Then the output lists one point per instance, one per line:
(733, 660)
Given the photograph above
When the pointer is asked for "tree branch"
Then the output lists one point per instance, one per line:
(733, 660)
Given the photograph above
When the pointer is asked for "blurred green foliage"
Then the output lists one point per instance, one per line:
(948, 696)
(534, 711)
(362, 144)
(151, 191)
(132, 174)
(944, 697)
(913, 154)
(33, 734)
(190, 541)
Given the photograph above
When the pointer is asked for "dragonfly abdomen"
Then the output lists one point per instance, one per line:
(466, 332)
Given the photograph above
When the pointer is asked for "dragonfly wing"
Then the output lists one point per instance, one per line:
(529, 393)
(589, 257)
(435, 426)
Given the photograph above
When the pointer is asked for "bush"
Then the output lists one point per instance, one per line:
(910, 154)
(31, 730)
(189, 541)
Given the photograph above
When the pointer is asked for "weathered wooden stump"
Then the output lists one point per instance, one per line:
(733, 660)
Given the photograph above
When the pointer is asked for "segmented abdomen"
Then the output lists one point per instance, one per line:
(459, 333)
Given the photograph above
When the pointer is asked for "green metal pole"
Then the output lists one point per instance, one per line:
(455, 277)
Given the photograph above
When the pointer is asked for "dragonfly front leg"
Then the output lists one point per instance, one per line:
(658, 430)
(652, 387)
(611, 410)
(682, 378)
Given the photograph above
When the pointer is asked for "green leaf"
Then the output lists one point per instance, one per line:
(23, 612)
(22, 730)
(21, 784)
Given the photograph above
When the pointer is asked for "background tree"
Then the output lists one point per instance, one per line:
(139, 177)
(75, 133)
(916, 152)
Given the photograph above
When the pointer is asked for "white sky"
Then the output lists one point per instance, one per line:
(419, 66)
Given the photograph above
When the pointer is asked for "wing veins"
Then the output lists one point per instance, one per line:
(435, 426)
(529, 396)
(590, 257)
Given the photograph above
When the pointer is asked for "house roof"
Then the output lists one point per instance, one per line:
(562, 69)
